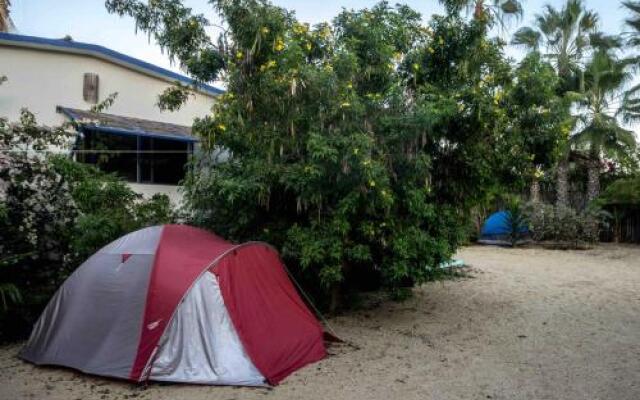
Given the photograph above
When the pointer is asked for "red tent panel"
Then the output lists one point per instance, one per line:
(279, 333)
(183, 254)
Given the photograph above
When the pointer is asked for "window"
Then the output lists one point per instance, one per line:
(136, 158)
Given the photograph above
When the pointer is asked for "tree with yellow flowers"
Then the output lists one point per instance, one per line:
(356, 147)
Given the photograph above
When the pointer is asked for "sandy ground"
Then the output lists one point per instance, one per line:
(526, 324)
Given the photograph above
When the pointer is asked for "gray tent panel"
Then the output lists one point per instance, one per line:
(201, 344)
(96, 311)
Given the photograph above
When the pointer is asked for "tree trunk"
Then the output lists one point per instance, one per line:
(534, 191)
(562, 184)
(593, 183)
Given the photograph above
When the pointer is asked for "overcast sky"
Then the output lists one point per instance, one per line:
(88, 21)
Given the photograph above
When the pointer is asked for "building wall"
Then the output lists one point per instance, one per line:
(41, 80)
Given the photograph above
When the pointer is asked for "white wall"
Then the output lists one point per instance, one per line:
(41, 80)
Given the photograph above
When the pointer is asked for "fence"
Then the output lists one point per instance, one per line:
(625, 228)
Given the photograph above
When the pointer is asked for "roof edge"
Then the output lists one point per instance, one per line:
(106, 54)
(122, 131)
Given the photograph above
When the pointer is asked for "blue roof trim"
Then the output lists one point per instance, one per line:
(127, 132)
(103, 52)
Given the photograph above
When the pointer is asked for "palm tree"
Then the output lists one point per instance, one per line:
(631, 103)
(633, 21)
(563, 36)
(490, 11)
(600, 134)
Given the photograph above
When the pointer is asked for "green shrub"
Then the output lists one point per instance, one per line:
(54, 213)
(564, 226)
(517, 220)
(622, 192)
(108, 208)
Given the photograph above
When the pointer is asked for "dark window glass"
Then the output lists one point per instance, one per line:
(111, 153)
(169, 161)
(158, 161)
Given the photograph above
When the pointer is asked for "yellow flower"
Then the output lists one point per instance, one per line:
(222, 127)
(268, 65)
(372, 183)
(349, 85)
(300, 28)
(308, 46)
(264, 30)
(279, 45)
(239, 55)
(497, 97)
(415, 66)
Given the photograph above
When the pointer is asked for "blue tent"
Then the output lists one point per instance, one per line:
(497, 229)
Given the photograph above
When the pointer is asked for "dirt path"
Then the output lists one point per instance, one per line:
(528, 324)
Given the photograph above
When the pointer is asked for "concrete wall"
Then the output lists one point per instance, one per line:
(41, 80)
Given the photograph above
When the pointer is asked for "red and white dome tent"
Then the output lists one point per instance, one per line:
(177, 303)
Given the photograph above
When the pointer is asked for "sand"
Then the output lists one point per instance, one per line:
(526, 324)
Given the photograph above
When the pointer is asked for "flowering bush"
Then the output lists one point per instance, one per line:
(39, 211)
(54, 213)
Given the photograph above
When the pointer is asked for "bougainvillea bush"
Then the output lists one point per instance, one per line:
(38, 210)
(54, 213)
(356, 147)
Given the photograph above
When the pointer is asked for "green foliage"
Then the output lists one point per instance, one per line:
(173, 97)
(540, 119)
(622, 192)
(37, 213)
(54, 213)
(517, 220)
(600, 132)
(563, 226)
(565, 35)
(105, 104)
(108, 208)
(356, 147)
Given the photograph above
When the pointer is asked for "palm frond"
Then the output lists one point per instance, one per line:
(527, 37)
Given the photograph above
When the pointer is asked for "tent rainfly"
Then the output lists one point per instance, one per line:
(177, 303)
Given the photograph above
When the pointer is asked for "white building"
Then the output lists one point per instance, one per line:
(60, 80)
